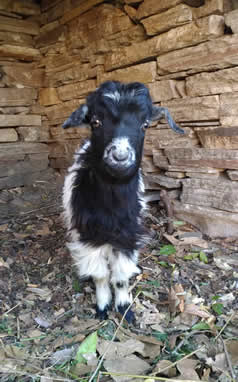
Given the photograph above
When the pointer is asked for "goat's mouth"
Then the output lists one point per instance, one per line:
(120, 169)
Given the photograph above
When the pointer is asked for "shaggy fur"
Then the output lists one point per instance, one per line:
(103, 191)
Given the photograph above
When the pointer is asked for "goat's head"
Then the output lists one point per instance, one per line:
(118, 115)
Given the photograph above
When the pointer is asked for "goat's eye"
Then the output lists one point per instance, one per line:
(145, 125)
(95, 123)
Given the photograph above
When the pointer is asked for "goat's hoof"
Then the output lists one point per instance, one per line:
(129, 317)
(102, 314)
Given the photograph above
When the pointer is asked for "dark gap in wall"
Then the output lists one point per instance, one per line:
(227, 30)
(195, 3)
(135, 5)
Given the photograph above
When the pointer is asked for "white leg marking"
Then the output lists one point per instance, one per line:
(122, 269)
(93, 262)
(122, 296)
(103, 292)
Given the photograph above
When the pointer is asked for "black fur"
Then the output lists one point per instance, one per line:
(130, 317)
(104, 212)
(102, 314)
(120, 284)
(104, 202)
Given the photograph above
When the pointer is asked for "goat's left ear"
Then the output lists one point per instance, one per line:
(77, 117)
(162, 112)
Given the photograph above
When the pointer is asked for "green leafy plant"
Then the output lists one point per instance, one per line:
(203, 257)
(178, 223)
(163, 264)
(76, 286)
(167, 250)
(194, 255)
(201, 326)
(4, 327)
(87, 346)
(191, 256)
(218, 308)
(154, 283)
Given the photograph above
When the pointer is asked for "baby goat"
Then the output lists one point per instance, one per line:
(103, 191)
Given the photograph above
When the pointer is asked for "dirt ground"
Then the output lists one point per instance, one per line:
(185, 303)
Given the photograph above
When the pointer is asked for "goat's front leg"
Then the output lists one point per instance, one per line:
(92, 262)
(103, 296)
(123, 266)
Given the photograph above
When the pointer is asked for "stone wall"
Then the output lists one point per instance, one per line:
(22, 155)
(186, 52)
(27, 183)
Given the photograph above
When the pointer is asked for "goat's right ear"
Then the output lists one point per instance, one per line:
(159, 112)
(77, 117)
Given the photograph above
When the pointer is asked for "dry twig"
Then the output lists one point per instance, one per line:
(228, 359)
(223, 328)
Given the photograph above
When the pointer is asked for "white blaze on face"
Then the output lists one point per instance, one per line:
(120, 152)
(115, 96)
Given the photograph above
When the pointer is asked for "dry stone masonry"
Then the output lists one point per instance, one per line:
(53, 53)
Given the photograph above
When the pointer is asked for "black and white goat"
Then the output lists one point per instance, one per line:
(103, 191)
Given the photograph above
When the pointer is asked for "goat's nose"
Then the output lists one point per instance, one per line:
(119, 154)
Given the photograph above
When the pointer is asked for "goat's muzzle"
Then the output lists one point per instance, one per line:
(119, 155)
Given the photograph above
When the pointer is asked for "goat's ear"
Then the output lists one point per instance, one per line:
(77, 117)
(162, 112)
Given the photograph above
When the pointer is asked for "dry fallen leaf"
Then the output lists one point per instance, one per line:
(171, 239)
(195, 241)
(151, 351)
(83, 325)
(180, 294)
(149, 340)
(227, 298)
(62, 356)
(43, 322)
(149, 318)
(165, 367)
(44, 230)
(3, 227)
(131, 365)
(46, 379)
(81, 369)
(186, 367)
(196, 311)
(43, 293)
(232, 348)
(221, 264)
(184, 321)
(218, 362)
(64, 340)
(20, 236)
(150, 296)
(120, 349)
(35, 334)
(3, 263)
(174, 301)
